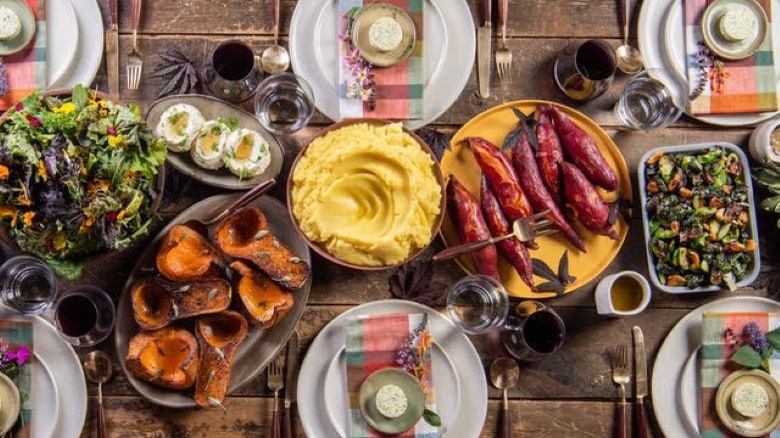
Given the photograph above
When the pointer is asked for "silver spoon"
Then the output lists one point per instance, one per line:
(275, 59)
(629, 60)
(504, 373)
(98, 368)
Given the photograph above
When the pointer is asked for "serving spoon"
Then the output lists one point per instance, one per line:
(504, 373)
(98, 368)
(275, 58)
(629, 60)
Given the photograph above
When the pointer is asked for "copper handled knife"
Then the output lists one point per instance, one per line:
(112, 50)
(290, 393)
(484, 52)
(640, 374)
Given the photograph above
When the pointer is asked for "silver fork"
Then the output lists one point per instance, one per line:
(275, 384)
(621, 375)
(524, 229)
(134, 61)
(503, 55)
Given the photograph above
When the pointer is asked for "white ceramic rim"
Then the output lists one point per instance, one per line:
(90, 46)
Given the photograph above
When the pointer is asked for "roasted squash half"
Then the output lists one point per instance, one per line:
(185, 255)
(245, 234)
(167, 357)
(219, 335)
(156, 302)
(264, 301)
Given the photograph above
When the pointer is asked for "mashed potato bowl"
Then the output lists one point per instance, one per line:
(367, 194)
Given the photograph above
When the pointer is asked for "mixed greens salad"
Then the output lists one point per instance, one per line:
(699, 218)
(77, 176)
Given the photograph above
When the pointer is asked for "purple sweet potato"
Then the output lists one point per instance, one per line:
(581, 149)
(467, 217)
(548, 154)
(512, 250)
(586, 202)
(502, 178)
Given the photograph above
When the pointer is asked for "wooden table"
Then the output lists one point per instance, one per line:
(568, 394)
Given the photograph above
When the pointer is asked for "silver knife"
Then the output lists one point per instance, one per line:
(291, 384)
(112, 51)
(484, 53)
(640, 374)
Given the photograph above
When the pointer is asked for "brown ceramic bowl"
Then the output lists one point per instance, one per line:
(322, 250)
(155, 202)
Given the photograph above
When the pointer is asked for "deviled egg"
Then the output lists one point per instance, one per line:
(208, 147)
(178, 125)
(246, 154)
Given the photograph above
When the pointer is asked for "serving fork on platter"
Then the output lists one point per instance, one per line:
(621, 375)
(276, 384)
(134, 61)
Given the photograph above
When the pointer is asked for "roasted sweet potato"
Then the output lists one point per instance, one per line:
(515, 252)
(468, 220)
(219, 336)
(581, 150)
(264, 301)
(548, 154)
(531, 180)
(156, 303)
(502, 177)
(586, 202)
(167, 357)
(185, 255)
(245, 234)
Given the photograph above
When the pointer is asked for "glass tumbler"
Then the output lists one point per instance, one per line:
(231, 72)
(84, 316)
(284, 103)
(585, 71)
(646, 103)
(27, 284)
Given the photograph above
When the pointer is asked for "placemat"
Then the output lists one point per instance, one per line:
(720, 332)
(27, 69)
(16, 338)
(398, 88)
(728, 87)
(373, 343)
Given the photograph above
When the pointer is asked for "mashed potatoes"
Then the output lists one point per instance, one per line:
(368, 194)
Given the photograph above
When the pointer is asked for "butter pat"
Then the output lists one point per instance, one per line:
(385, 34)
(750, 400)
(391, 401)
(737, 23)
(10, 25)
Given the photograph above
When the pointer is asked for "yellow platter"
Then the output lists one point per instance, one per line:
(493, 125)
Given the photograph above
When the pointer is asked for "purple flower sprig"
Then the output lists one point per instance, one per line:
(755, 346)
(4, 87)
(360, 84)
(11, 360)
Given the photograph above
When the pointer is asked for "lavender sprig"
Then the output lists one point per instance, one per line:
(4, 87)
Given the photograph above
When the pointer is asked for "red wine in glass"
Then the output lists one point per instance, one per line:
(85, 316)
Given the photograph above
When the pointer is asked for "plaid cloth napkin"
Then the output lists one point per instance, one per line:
(27, 69)
(15, 334)
(745, 86)
(717, 348)
(373, 343)
(399, 88)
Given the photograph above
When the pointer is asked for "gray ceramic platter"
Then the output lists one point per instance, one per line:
(211, 108)
(259, 347)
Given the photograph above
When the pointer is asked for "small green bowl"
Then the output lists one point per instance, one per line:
(415, 398)
(27, 17)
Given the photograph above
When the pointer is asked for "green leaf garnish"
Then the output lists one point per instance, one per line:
(747, 357)
(431, 418)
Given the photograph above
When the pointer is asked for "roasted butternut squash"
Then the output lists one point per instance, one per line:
(185, 255)
(245, 234)
(219, 335)
(167, 357)
(156, 302)
(264, 301)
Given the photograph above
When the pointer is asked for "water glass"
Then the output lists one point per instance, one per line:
(646, 103)
(27, 284)
(84, 316)
(585, 71)
(478, 304)
(231, 71)
(284, 103)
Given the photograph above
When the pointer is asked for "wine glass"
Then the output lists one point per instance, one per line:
(231, 72)
(84, 316)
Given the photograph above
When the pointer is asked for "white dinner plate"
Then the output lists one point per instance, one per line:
(318, 375)
(62, 35)
(449, 48)
(669, 368)
(59, 389)
(445, 382)
(662, 43)
(90, 46)
(689, 389)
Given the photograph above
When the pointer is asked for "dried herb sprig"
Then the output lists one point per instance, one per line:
(556, 281)
(437, 140)
(179, 73)
(413, 281)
